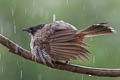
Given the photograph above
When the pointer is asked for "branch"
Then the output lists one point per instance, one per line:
(16, 49)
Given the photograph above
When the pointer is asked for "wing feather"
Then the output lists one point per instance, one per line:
(70, 50)
(63, 46)
(63, 36)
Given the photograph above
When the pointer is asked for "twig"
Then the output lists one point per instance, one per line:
(16, 49)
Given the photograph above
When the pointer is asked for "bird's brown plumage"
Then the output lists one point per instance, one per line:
(60, 41)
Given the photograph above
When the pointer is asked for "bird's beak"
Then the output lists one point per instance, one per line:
(26, 29)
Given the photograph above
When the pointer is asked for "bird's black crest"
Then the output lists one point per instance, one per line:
(33, 29)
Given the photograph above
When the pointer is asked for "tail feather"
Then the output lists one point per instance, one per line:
(95, 30)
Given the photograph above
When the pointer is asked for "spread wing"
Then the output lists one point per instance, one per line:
(62, 46)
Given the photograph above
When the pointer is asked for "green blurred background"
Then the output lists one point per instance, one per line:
(18, 14)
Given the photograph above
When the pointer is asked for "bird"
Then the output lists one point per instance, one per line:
(60, 41)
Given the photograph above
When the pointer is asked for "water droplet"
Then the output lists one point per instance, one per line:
(12, 10)
(54, 17)
(39, 77)
(15, 29)
(0, 56)
(14, 26)
(1, 29)
(41, 12)
(2, 69)
(21, 74)
(82, 77)
(93, 59)
(17, 62)
(94, 6)
(67, 2)
(33, 3)
(89, 75)
(84, 7)
(25, 11)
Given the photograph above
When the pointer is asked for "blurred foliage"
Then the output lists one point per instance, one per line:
(18, 14)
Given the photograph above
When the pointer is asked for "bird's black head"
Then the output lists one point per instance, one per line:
(32, 30)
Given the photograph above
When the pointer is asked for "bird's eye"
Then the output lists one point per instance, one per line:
(31, 29)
